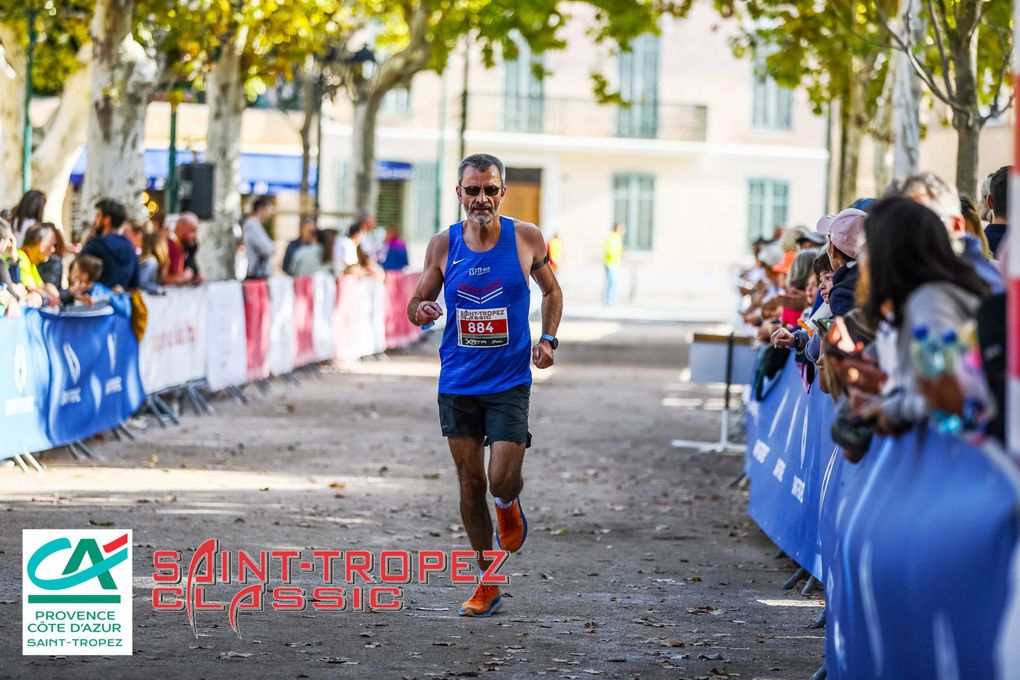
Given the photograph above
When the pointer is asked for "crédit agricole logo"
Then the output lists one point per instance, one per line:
(76, 592)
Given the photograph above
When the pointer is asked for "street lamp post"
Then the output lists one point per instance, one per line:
(172, 193)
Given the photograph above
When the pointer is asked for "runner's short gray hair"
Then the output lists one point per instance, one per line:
(481, 162)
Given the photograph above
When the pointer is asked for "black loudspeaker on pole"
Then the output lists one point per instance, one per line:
(196, 190)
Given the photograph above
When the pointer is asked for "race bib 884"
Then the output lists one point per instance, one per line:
(482, 327)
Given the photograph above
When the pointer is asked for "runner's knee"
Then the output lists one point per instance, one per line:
(505, 488)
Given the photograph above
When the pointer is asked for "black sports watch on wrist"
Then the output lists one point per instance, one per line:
(551, 339)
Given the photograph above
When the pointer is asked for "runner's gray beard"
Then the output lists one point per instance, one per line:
(481, 217)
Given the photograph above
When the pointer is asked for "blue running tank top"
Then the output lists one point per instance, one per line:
(487, 341)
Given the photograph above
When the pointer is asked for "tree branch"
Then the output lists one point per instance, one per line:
(920, 69)
(1000, 79)
(940, 22)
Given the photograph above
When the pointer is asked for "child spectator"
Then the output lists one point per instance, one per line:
(84, 287)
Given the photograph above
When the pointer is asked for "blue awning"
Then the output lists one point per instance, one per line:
(393, 170)
(261, 173)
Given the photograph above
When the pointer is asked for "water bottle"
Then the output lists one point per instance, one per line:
(926, 354)
(952, 350)
(930, 357)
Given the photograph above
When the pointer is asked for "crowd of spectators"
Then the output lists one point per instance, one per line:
(896, 308)
(359, 251)
(39, 268)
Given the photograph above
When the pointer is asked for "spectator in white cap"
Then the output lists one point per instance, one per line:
(844, 231)
(932, 192)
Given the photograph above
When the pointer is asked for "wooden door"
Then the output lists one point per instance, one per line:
(523, 195)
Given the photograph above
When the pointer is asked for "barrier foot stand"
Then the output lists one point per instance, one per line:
(27, 456)
(202, 401)
(20, 463)
(820, 674)
(795, 579)
(811, 584)
(737, 480)
(154, 410)
(779, 554)
(124, 431)
(86, 450)
(263, 386)
(167, 411)
(819, 622)
(74, 452)
(290, 379)
(724, 445)
(237, 395)
(198, 403)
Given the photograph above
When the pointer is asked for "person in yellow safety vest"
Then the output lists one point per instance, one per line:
(612, 256)
(555, 251)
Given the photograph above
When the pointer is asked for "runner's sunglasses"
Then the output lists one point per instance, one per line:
(474, 191)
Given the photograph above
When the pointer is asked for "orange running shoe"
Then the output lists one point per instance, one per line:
(485, 602)
(511, 526)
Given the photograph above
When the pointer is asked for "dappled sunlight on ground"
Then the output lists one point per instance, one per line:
(17, 486)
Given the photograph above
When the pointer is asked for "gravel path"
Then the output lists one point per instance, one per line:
(640, 562)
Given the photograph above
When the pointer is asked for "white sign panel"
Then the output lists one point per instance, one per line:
(226, 353)
(173, 350)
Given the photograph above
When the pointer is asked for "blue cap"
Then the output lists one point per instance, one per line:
(920, 332)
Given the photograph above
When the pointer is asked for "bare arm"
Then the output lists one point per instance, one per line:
(422, 308)
(552, 296)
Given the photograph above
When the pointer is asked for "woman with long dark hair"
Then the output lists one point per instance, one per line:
(915, 279)
(29, 211)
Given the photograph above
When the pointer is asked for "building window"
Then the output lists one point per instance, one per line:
(397, 100)
(634, 206)
(523, 94)
(768, 203)
(639, 86)
(772, 105)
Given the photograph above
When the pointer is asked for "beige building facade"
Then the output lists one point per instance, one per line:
(707, 158)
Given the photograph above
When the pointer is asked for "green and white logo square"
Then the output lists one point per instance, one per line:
(76, 592)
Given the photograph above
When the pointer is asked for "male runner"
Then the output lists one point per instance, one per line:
(485, 382)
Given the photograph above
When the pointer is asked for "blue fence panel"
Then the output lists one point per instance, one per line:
(919, 576)
(24, 386)
(914, 542)
(94, 379)
(785, 468)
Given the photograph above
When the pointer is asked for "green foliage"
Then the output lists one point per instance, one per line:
(61, 27)
(824, 47)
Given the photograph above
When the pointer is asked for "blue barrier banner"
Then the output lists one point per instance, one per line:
(24, 386)
(788, 451)
(919, 571)
(917, 544)
(94, 380)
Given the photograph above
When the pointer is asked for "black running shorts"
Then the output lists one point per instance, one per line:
(500, 417)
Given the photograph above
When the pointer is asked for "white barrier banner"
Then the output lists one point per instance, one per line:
(349, 326)
(322, 327)
(226, 358)
(282, 341)
(173, 350)
(377, 314)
